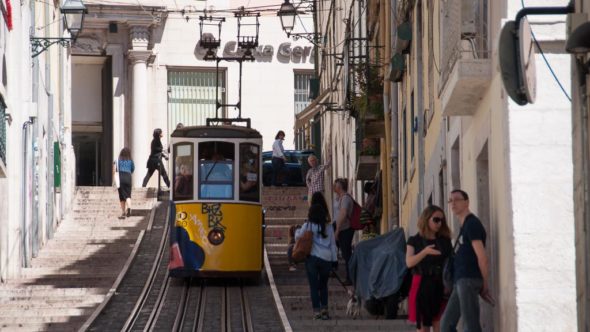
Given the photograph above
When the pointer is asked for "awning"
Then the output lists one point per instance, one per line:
(311, 110)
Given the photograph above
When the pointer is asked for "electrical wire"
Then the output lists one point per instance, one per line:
(547, 61)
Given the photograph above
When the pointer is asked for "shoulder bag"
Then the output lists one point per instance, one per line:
(116, 180)
(449, 268)
(302, 247)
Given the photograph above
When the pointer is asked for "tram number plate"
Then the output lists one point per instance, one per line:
(252, 177)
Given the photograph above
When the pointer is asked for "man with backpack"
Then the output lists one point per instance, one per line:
(343, 214)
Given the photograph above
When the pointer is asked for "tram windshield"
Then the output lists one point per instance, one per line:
(216, 164)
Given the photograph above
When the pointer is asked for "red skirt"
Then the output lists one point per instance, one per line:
(412, 299)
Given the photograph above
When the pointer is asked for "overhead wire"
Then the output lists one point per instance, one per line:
(547, 61)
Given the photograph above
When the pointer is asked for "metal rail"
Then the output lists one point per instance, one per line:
(139, 305)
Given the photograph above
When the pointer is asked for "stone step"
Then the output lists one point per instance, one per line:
(37, 319)
(286, 221)
(342, 325)
(31, 304)
(80, 271)
(30, 327)
(44, 312)
(31, 291)
(50, 299)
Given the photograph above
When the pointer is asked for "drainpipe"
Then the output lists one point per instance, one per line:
(24, 232)
(394, 136)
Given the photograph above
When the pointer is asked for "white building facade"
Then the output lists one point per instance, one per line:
(36, 156)
(137, 68)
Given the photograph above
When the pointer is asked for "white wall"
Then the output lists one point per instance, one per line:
(542, 198)
(86, 93)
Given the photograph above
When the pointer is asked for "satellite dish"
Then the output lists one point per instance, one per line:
(508, 65)
(526, 57)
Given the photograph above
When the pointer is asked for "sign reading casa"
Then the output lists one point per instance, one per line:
(285, 52)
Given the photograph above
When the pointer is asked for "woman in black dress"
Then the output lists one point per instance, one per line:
(426, 254)
(155, 159)
(125, 166)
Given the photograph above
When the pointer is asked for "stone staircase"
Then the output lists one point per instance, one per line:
(73, 272)
(287, 206)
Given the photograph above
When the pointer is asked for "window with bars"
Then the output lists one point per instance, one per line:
(301, 85)
(191, 97)
(3, 132)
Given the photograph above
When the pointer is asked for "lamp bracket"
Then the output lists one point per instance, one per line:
(40, 44)
(312, 37)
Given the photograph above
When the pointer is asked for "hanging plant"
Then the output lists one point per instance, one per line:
(368, 102)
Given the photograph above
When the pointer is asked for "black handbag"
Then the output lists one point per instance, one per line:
(449, 269)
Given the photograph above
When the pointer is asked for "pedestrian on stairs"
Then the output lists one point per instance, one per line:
(125, 166)
(155, 159)
(319, 263)
(314, 179)
(342, 214)
(425, 255)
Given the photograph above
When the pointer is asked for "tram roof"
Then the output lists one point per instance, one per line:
(216, 132)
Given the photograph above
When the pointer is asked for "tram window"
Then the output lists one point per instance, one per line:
(216, 165)
(249, 172)
(183, 172)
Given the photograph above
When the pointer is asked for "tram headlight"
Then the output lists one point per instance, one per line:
(216, 237)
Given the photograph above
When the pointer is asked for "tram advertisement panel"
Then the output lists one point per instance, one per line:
(209, 237)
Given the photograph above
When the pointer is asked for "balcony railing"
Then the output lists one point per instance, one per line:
(464, 34)
(465, 55)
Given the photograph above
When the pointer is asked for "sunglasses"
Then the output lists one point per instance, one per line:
(438, 220)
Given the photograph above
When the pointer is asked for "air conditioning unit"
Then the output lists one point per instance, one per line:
(469, 15)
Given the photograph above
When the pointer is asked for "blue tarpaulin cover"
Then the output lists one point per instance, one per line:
(378, 265)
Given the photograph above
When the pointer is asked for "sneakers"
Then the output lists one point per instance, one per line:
(324, 315)
(317, 316)
(122, 216)
(292, 268)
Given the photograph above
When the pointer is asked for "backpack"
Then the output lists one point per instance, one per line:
(355, 216)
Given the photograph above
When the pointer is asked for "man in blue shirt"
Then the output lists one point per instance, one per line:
(470, 269)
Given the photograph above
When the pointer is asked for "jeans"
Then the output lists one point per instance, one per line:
(345, 244)
(318, 273)
(464, 304)
(277, 166)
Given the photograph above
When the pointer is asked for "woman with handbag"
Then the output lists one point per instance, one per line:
(322, 255)
(124, 166)
(425, 255)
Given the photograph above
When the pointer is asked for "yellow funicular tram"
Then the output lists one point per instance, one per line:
(218, 226)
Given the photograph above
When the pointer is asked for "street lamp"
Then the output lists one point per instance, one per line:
(287, 14)
(73, 12)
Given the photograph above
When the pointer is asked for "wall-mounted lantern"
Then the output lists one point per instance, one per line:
(73, 12)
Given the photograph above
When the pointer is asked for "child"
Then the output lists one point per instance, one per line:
(292, 264)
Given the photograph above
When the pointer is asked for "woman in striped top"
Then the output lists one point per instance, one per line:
(125, 167)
